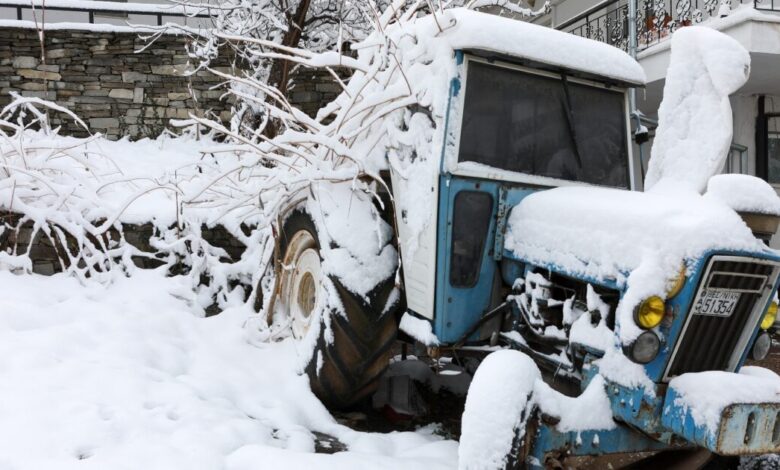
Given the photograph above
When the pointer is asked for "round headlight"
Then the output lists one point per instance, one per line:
(645, 348)
(769, 316)
(677, 283)
(761, 346)
(650, 312)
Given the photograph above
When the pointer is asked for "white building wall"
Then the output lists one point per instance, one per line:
(745, 110)
(567, 9)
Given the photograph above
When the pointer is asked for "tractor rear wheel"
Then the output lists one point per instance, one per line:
(352, 337)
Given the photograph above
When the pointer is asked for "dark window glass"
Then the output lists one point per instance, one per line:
(471, 219)
(543, 126)
(773, 148)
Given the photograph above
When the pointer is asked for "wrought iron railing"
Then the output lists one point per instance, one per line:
(656, 19)
(93, 8)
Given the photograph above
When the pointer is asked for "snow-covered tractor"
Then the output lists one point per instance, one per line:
(510, 219)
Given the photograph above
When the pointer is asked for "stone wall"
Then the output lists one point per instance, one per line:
(100, 76)
(314, 88)
(120, 92)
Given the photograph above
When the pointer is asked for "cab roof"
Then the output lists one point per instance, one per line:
(542, 47)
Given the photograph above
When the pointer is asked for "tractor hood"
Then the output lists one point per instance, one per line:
(605, 234)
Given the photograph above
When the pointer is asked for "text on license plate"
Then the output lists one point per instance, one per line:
(716, 302)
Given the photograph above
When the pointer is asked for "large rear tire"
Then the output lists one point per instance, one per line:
(353, 343)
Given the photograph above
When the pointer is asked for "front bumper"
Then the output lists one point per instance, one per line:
(743, 429)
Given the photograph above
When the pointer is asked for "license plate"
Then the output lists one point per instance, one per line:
(716, 303)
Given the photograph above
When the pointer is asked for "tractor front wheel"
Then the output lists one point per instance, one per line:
(495, 431)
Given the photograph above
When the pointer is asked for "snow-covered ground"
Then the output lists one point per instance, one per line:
(131, 375)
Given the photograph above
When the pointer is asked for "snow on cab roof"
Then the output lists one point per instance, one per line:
(485, 32)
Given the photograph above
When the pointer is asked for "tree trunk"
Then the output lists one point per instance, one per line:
(280, 69)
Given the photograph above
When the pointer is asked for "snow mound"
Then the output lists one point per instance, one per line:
(695, 120)
(505, 392)
(744, 193)
(129, 375)
(419, 329)
(497, 405)
(355, 241)
(751, 385)
(638, 240)
(591, 410)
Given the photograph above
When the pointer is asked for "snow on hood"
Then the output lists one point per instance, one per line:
(744, 193)
(604, 233)
(639, 240)
(482, 31)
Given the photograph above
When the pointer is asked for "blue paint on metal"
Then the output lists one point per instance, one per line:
(608, 283)
(742, 428)
(458, 308)
(590, 442)
(634, 406)
(501, 216)
(511, 271)
(460, 57)
(662, 422)
(678, 307)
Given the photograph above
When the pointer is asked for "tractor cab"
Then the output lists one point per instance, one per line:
(514, 127)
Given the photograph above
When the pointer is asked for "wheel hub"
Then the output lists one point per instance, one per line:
(301, 280)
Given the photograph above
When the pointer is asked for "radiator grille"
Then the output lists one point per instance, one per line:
(710, 342)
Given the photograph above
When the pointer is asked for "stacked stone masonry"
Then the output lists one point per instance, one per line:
(109, 80)
(314, 88)
(120, 85)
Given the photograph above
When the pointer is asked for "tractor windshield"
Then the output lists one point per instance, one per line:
(544, 125)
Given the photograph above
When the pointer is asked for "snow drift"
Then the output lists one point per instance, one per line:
(694, 119)
(128, 375)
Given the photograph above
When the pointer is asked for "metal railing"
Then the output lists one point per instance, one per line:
(91, 9)
(656, 19)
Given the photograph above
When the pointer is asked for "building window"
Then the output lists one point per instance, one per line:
(773, 148)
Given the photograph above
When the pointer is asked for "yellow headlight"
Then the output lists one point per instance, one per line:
(769, 316)
(650, 312)
(677, 284)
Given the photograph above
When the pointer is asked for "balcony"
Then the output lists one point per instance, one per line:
(104, 12)
(656, 19)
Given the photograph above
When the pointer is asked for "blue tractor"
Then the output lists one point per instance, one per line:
(539, 243)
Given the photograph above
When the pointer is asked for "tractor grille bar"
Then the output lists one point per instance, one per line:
(712, 342)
